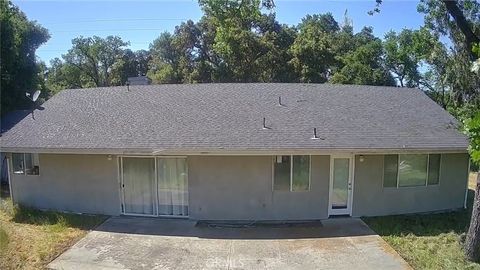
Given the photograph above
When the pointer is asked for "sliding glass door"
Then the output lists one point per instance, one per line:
(154, 186)
(139, 186)
(172, 186)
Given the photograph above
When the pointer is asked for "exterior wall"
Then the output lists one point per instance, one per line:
(371, 199)
(240, 188)
(73, 183)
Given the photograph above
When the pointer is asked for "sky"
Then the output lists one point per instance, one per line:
(140, 22)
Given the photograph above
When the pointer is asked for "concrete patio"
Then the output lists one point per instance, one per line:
(152, 243)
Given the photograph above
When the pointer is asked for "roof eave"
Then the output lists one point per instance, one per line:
(230, 152)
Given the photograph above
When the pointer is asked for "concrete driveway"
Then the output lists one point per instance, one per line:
(150, 243)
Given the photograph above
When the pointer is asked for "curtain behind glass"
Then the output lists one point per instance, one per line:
(301, 173)
(139, 185)
(281, 181)
(412, 170)
(172, 186)
(390, 170)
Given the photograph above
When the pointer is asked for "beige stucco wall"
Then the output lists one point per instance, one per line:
(73, 183)
(371, 199)
(240, 188)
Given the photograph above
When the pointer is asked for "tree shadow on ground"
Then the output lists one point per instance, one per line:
(424, 224)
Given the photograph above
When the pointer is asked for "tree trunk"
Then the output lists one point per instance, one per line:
(463, 24)
(472, 242)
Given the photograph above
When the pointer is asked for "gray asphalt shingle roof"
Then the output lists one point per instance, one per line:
(229, 117)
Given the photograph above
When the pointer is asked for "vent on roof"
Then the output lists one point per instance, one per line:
(315, 136)
(265, 124)
(280, 101)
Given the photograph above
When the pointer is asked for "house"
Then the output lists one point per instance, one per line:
(239, 152)
(7, 122)
(139, 80)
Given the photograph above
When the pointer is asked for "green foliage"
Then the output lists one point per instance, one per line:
(404, 53)
(96, 61)
(18, 69)
(275, 40)
(54, 221)
(472, 129)
(94, 58)
(364, 66)
(431, 241)
(312, 50)
(458, 77)
(165, 63)
(235, 43)
(476, 63)
(241, 41)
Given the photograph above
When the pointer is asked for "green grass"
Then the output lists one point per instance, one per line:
(30, 238)
(431, 241)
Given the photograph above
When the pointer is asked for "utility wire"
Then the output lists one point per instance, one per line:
(115, 20)
(109, 30)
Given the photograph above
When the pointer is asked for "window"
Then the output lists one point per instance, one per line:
(410, 170)
(433, 169)
(25, 163)
(282, 173)
(18, 163)
(390, 170)
(291, 173)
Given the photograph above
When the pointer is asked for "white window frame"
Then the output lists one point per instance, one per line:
(291, 173)
(25, 165)
(428, 169)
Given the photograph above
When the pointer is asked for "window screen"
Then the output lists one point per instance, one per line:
(390, 169)
(433, 169)
(281, 179)
(301, 173)
(412, 170)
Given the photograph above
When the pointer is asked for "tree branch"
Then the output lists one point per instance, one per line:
(463, 24)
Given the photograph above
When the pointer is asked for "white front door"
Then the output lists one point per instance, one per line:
(341, 185)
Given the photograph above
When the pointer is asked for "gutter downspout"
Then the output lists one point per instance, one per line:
(466, 188)
(10, 178)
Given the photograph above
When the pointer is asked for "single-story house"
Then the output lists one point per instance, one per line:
(7, 122)
(239, 152)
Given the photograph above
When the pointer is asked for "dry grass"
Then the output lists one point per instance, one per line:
(472, 181)
(30, 239)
